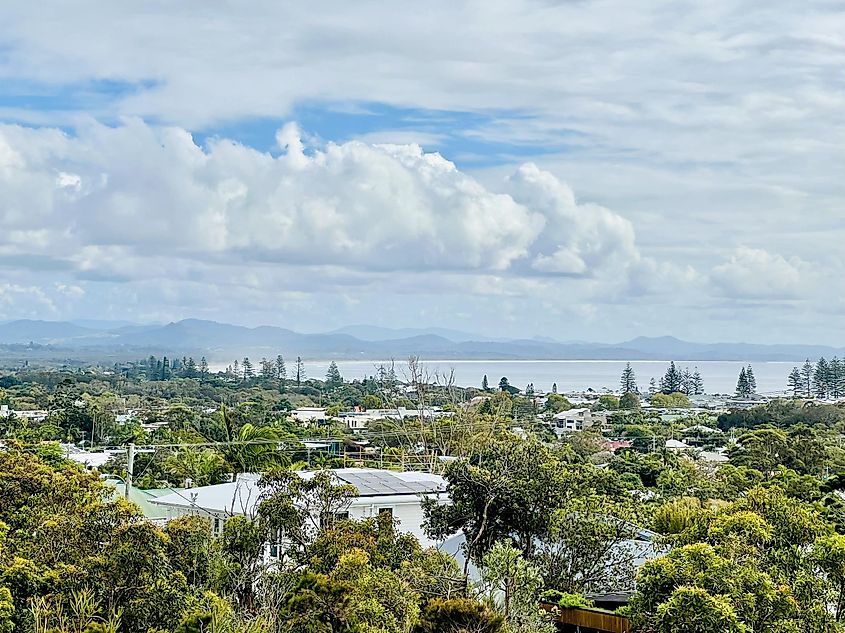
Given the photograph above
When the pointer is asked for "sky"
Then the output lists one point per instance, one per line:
(582, 170)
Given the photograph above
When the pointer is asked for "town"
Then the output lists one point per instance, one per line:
(443, 317)
(570, 503)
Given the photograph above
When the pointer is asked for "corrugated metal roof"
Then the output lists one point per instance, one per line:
(242, 495)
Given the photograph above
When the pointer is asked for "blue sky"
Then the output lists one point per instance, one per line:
(591, 170)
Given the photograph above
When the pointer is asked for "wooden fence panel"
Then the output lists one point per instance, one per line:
(593, 619)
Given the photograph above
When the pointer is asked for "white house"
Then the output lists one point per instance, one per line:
(35, 415)
(578, 419)
(379, 491)
(359, 420)
(309, 414)
(677, 445)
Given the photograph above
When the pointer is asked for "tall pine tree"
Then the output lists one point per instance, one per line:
(333, 377)
(628, 381)
(249, 372)
(795, 382)
(752, 381)
(807, 378)
(697, 383)
(837, 369)
(672, 379)
(821, 378)
(742, 389)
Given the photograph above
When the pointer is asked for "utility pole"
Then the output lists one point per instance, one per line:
(130, 466)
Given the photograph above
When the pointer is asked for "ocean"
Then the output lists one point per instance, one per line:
(570, 375)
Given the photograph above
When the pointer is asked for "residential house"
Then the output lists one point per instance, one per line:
(379, 491)
(34, 415)
(310, 415)
(577, 420)
(677, 446)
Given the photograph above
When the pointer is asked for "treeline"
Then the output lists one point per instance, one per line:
(679, 381)
(825, 379)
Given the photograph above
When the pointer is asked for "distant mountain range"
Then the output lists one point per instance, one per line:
(221, 341)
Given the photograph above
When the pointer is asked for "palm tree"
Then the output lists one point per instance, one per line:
(256, 449)
(203, 467)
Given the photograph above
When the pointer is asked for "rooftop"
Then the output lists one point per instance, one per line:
(243, 495)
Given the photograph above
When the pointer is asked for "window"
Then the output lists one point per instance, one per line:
(329, 520)
(216, 526)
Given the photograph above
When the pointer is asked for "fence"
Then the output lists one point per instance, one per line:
(590, 619)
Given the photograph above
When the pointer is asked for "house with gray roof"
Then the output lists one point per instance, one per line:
(379, 491)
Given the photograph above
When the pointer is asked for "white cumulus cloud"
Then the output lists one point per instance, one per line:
(127, 202)
(754, 273)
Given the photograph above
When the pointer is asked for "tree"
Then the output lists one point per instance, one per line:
(743, 389)
(333, 377)
(829, 555)
(672, 380)
(756, 553)
(587, 547)
(715, 588)
(628, 381)
(694, 610)
(555, 403)
(458, 615)
(268, 369)
(807, 378)
(249, 371)
(281, 370)
(749, 378)
(191, 548)
(7, 611)
(762, 450)
(509, 490)
(686, 381)
(60, 520)
(204, 467)
(554, 387)
(255, 449)
(652, 386)
(296, 510)
(507, 574)
(697, 383)
(300, 371)
(795, 382)
(607, 402)
(670, 400)
(629, 400)
(514, 583)
(821, 378)
(836, 381)
(485, 386)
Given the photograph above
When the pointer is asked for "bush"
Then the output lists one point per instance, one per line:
(674, 400)
(565, 600)
(629, 400)
(457, 615)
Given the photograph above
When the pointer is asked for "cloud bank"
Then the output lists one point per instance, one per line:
(124, 202)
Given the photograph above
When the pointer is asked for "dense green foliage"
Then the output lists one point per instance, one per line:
(744, 522)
